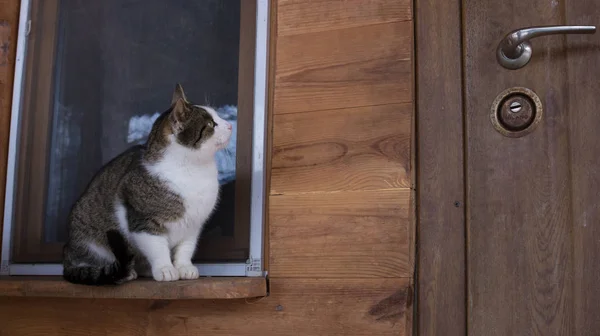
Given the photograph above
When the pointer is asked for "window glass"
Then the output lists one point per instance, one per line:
(116, 63)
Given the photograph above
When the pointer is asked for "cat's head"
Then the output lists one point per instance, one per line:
(196, 127)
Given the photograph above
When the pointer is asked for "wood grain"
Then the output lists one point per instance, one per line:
(203, 288)
(412, 201)
(441, 223)
(300, 16)
(9, 23)
(519, 197)
(583, 96)
(295, 307)
(350, 67)
(363, 148)
(342, 234)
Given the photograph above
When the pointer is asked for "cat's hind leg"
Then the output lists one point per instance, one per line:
(93, 263)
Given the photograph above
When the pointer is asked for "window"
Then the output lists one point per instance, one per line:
(91, 79)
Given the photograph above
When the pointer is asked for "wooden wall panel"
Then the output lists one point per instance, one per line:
(295, 307)
(341, 156)
(301, 16)
(351, 234)
(363, 148)
(441, 280)
(359, 66)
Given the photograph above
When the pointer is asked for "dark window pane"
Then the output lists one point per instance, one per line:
(117, 62)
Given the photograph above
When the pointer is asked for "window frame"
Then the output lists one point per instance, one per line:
(253, 71)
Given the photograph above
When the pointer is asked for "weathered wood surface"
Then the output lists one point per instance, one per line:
(296, 307)
(441, 308)
(351, 234)
(203, 288)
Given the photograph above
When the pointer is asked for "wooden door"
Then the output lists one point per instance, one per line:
(533, 202)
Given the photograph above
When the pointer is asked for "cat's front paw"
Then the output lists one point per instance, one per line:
(165, 273)
(188, 272)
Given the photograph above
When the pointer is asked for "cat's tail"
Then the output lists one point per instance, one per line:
(110, 274)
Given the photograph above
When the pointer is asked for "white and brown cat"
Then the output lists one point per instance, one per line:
(143, 211)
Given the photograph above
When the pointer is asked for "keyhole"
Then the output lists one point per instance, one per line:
(515, 107)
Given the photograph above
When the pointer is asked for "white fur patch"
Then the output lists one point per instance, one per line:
(195, 180)
(193, 174)
(101, 252)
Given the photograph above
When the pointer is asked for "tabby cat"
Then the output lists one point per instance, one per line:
(143, 211)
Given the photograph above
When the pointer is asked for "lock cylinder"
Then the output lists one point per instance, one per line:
(516, 112)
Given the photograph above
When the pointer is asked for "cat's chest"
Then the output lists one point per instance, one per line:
(197, 187)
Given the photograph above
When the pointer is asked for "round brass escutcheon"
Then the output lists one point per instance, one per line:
(516, 112)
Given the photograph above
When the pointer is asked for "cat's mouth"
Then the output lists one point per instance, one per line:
(222, 144)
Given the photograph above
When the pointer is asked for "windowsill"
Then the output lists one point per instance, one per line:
(203, 288)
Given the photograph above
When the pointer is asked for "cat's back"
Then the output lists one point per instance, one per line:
(112, 173)
(100, 192)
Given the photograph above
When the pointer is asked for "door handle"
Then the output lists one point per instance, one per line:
(514, 51)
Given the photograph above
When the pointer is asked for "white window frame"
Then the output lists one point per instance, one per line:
(253, 267)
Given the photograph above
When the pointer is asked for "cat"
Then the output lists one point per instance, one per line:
(143, 212)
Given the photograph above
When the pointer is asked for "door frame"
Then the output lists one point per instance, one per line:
(441, 272)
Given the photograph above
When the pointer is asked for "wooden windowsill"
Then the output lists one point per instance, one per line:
(203, 288)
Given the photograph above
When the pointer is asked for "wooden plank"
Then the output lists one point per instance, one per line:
(412, 201)
(520, 269)
(343, 68)
(9, 23)
(204, 288)
(583, 97)
(301, 16)
(440, 196)
(363, 148)
(295, 307)
(341, 234)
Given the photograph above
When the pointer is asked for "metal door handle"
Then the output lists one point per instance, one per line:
(514, 51)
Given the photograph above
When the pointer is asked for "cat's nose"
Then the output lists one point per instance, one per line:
(229, 126)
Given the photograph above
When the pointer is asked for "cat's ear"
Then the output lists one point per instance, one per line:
(178, 94)
(177, 116)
